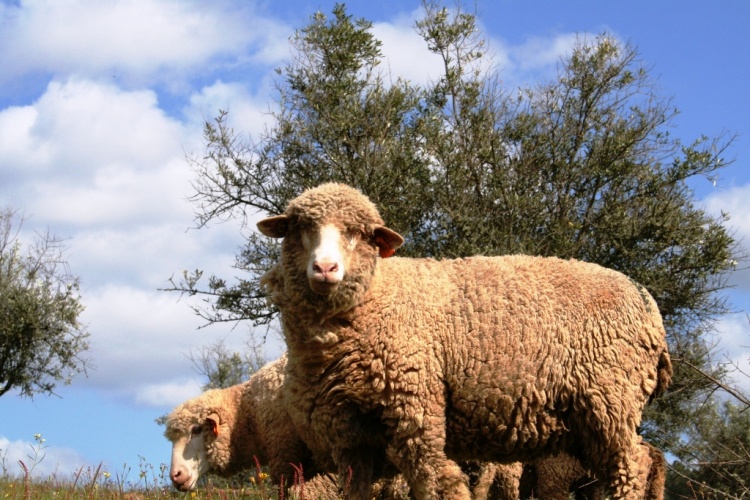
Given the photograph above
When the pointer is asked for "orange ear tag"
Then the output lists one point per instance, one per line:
(384, 249)
(215, 428)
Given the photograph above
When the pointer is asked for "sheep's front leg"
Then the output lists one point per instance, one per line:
(418, 451)
(356, 466)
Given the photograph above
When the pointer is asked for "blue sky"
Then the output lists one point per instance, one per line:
(101, 101)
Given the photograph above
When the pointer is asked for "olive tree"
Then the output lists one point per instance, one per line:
(41, 338)
(585, 165)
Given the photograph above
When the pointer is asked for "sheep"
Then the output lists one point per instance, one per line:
(494, 481)
(425, 362)
(225, 430)
(555, 477)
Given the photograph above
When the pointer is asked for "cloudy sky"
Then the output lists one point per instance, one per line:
(101, 101)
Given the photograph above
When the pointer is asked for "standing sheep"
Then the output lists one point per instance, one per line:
(225, 430)
(427, 362)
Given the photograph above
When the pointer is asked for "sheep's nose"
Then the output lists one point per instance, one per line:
(325, 267)
(178, 477)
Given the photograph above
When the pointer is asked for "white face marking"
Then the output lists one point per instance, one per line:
(329, 251)
(189, 461)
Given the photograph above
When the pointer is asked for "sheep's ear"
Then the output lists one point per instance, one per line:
(387, 241)
(274, 227)
(213, 421)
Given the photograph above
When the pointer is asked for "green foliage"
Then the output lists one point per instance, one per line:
(224, 368)
(583, 166)
(41, 339)
(337, 119)
(714, 456)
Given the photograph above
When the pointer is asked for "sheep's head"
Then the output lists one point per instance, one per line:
(328, 232)
(199, 432)
(190, 439)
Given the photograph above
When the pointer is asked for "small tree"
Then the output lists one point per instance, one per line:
(224, 368)
(41, 338)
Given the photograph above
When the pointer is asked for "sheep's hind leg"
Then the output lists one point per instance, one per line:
(626, 474)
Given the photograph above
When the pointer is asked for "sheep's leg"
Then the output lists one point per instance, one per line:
(626, 474)
(356, 467)
(419, 453)
(657, 473)
(614, 448)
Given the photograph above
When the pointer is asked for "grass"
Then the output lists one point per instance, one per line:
(95, 484)
(18, 481)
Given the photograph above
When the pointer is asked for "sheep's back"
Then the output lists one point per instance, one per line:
(517, 341)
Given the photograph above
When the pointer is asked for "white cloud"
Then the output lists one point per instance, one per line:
(541, 53)
(405, 52)
(44, 461)
(105, 168)
(141, 341)
(536, 59)
(134, 39)
(248, 113)
(140, 337)
(733, 201)
(733, 331)
(83, 148)
(168, 393)
(22, 150)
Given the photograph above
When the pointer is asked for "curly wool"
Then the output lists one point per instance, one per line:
(254, 424)
(559, 475)
(488, 358)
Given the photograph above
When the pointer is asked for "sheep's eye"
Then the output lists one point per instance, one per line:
(352, 235)
(197, 429)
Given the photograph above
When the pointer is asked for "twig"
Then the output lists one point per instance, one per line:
(731, 391)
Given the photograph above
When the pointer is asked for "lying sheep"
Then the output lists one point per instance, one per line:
(225, 430)
(427, 362)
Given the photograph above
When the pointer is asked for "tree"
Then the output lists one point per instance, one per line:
(584, 166)
(714, 461)
(338, 120)
(224, 368)
(41, 338)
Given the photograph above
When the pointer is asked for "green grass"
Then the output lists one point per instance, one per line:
(19, 481)
(95, 484)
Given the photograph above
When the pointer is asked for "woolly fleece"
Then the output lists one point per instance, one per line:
(484, 358)
(254, 423)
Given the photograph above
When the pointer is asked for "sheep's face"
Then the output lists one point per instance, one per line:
(189, 457)
(328, 249)
(332, 237)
